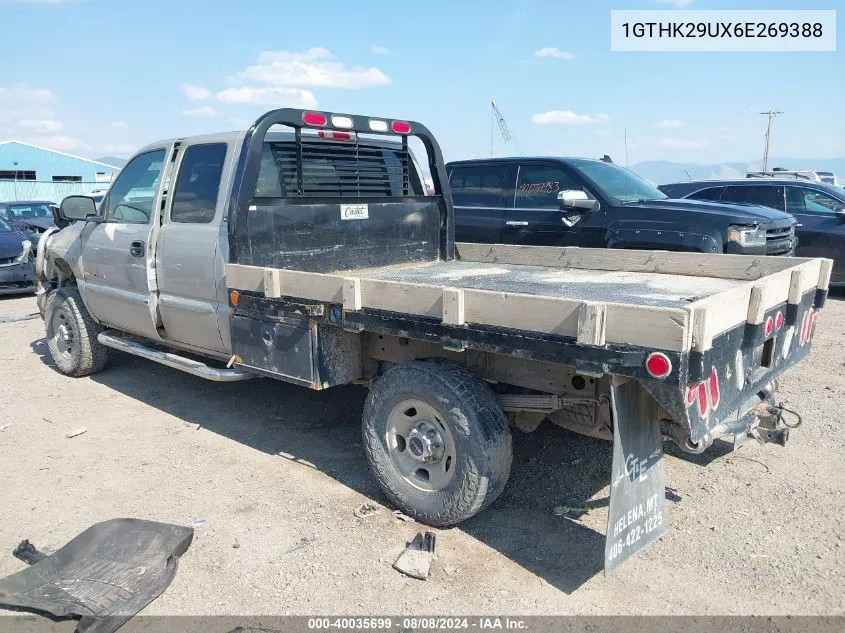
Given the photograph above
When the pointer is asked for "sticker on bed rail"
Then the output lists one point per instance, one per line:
(354, 212)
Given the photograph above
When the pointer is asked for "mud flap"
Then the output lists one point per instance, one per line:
(103, 577)
(637, 515)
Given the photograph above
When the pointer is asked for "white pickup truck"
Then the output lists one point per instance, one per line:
(314, 256)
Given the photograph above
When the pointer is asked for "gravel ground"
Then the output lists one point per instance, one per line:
(271, 475)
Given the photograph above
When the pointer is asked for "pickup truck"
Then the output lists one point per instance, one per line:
(314, 255)
(596, 204)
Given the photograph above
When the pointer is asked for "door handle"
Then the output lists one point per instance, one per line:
(516, 223)
(136, 249)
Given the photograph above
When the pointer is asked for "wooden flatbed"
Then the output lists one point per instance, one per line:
(671, 301)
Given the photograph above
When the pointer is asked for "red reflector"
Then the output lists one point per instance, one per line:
(315, 118)
(658, 365)
(703, 403)
(692, 394)
(400, 127)
(779, 320)
(713, 389)
(770, 325)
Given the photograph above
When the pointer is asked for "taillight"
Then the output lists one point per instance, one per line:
(342, 121)
(401, 127)
(779, 320)
(658, 365)
(770, 326)
(337, 136)
(317, 119)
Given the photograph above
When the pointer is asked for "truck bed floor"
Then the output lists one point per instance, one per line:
(647, 289)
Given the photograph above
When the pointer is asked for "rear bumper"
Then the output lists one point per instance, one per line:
(17, 278)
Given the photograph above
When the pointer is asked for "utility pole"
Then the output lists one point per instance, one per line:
(771, 114)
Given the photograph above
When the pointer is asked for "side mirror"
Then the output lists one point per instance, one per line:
(75, 208)
(840, 213)
(572, 199)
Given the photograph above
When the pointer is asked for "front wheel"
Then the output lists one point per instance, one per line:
(437, 441)
(72, 334)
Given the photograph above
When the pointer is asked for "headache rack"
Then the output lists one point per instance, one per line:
(292, 201)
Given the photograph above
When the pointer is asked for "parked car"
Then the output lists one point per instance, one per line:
(32, 216)
(316, 259)
(593, 203)
(17, 267)
(819, 209)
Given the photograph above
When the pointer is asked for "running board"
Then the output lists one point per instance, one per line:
(196, 368)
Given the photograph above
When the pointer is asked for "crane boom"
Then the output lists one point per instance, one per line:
(504, 130)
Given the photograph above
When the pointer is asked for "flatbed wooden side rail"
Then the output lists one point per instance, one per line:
(743, 267)
(594, 323)
(591, 323)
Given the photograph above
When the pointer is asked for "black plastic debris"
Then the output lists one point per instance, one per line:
(103, 577)
(415, 560)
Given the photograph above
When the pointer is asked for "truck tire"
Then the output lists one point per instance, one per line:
(437, 441)
(72, 334)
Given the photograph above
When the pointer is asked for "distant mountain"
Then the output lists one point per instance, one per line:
(663, 172)
(112, 160)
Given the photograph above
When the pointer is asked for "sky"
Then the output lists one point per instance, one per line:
(104, 77)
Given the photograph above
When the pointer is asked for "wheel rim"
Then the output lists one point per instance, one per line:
(63, 335)
(421, 445)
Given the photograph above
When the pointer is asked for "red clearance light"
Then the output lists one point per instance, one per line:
(338, 136)
(658, 365)
(770, 325)
(401, 127)
(779, 320)
(315, 118)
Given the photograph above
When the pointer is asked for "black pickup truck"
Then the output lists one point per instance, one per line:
(591, 203)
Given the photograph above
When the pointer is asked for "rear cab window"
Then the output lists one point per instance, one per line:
(477, 185)
(198, 184)
(771, 196)
(336, 169)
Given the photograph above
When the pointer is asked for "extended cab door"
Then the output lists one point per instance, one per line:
(536, 217)
(114, 256)
(190, 267)
(479, 193)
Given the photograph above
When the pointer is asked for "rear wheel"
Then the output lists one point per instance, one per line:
(72, 334)
(437, 441)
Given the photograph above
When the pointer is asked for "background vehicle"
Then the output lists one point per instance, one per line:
(33, 216)
(516, 201)
(17, 270)
(317, 258)
(818, 207)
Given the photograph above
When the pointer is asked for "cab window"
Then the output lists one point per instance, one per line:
(537, 186)
(477, 185)
(711, 193)
(195, 196)
(130, 199)
(801, 200)
(765, 196)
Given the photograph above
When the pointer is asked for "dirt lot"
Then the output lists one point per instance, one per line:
(276, 471)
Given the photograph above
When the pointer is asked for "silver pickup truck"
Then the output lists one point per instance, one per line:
(315, 256)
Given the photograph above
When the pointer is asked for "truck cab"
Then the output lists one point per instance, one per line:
(552, 201)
